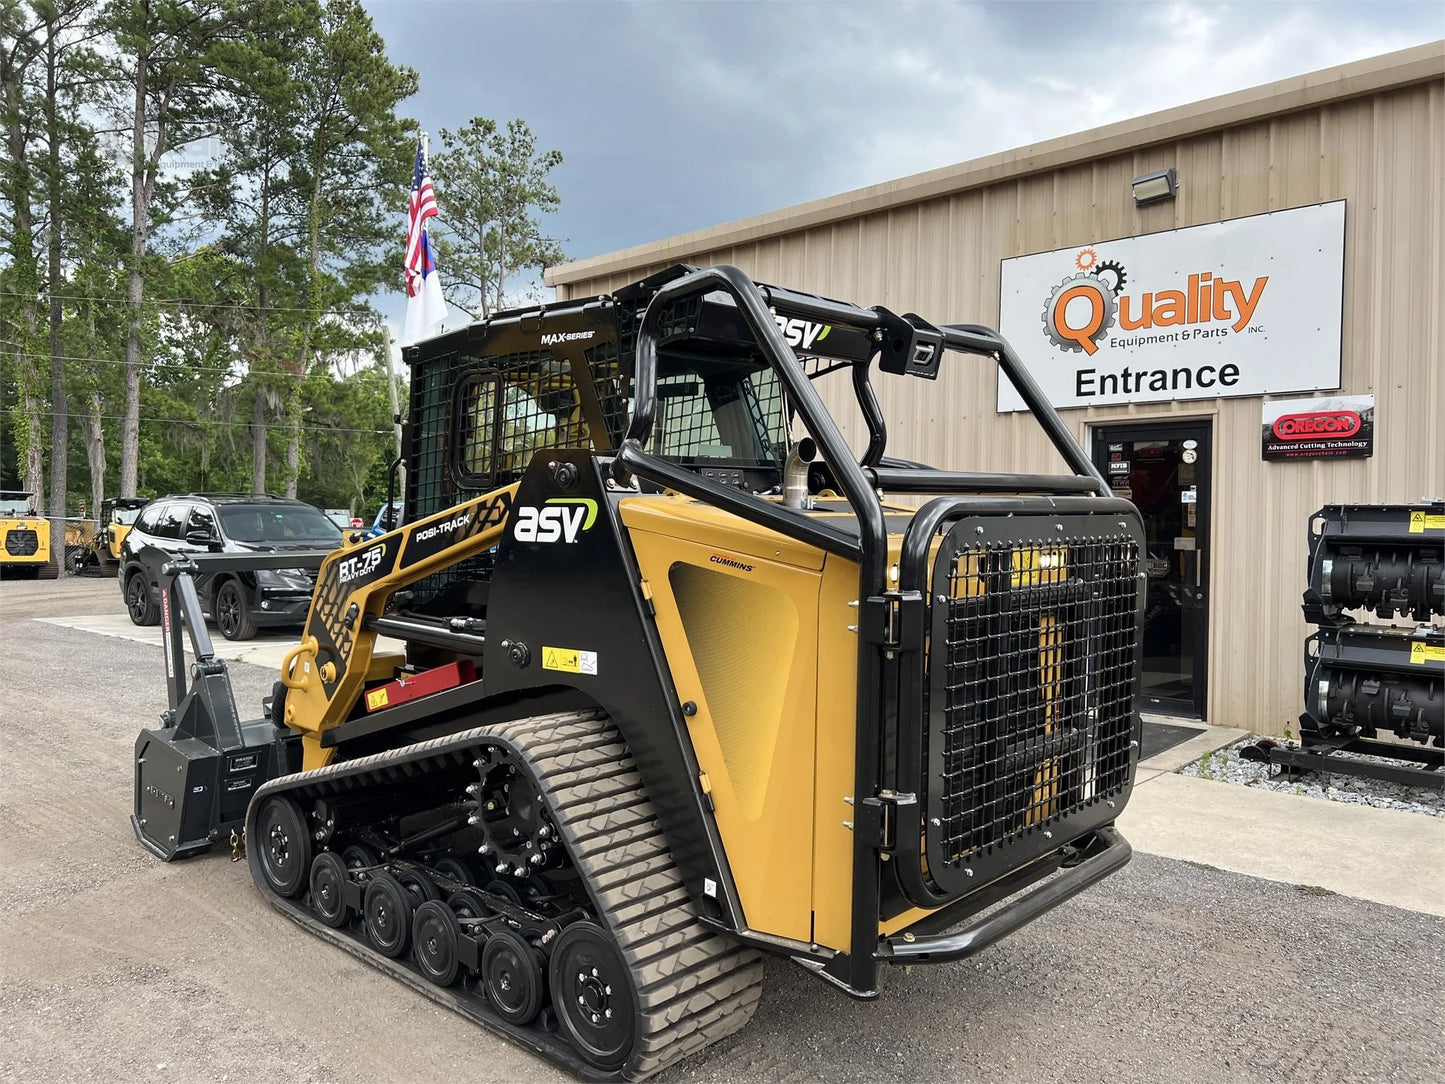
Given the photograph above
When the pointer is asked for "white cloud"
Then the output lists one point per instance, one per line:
(677, 116)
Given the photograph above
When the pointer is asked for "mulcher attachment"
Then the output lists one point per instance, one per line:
(587, 951)
(196, 773)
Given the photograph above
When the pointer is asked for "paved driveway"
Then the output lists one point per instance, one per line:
(116, 967)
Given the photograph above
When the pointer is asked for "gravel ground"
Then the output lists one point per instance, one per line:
(116, 967)
(1227, 766)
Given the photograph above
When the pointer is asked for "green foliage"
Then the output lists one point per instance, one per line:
(252, 204)
(492, 190)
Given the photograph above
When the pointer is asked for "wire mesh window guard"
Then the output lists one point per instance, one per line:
(726, 413)
(1034, 712)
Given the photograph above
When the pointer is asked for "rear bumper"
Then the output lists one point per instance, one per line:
(907, 947)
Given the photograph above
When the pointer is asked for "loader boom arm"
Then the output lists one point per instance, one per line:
(327, 671)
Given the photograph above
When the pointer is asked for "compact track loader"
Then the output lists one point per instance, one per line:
(101, 555)
(681, 684)
(25, 548)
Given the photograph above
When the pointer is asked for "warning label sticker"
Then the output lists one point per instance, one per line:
(569, 660)
(376, 699)
(1420, 522)
(1423, 653)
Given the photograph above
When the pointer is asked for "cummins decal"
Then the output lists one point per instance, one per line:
(1243, 307)
(719, 559)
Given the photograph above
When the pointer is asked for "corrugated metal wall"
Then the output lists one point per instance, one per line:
(1383, 154)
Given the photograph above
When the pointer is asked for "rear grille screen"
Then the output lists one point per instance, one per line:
(21, 542)
(1032, 695)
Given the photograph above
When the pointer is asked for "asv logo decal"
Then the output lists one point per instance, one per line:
(801, 333)
(563, 519)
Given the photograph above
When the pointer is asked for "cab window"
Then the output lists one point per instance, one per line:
(720, 410)
(476, 426)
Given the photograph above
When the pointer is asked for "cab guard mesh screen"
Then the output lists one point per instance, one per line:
(1031, 698)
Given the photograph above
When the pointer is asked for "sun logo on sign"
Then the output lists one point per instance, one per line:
(1082, 308)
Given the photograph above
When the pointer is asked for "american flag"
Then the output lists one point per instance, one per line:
(422, 205)
(425, 306)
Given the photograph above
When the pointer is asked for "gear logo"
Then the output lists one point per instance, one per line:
(1112, 272)
(1081, 309)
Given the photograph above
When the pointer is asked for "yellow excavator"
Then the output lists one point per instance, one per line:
(684, 680)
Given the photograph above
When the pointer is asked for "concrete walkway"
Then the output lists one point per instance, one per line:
(267, 650)
(1383, 855)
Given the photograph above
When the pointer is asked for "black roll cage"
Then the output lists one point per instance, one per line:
(904, 344)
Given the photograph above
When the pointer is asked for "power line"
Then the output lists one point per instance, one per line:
(195, 304)
(121, 361)
(282, 424)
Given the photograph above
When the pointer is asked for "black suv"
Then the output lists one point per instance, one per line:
(238, 602)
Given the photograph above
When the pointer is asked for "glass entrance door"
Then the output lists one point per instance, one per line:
(1164, 469)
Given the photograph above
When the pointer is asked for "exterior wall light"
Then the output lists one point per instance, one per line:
(1153, 187)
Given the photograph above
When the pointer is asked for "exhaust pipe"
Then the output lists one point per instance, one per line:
(795, 474)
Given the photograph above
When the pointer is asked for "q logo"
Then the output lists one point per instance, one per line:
(1080, 312)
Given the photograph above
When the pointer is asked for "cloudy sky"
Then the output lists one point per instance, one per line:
(675, 116)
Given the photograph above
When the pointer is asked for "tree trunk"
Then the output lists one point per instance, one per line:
(95, 456)
(26, 278)
(293, 450)
(258, 443)
(59, 405)
(34, 480)
(142, 185)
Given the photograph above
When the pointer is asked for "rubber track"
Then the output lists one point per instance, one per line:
(694, 986)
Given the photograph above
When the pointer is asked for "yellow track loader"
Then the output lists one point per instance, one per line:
(25, 548)
(686, 680)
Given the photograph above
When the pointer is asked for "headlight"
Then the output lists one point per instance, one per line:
(290, 579)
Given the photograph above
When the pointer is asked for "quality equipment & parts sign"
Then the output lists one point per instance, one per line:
(1244, 307)
(1327, 427)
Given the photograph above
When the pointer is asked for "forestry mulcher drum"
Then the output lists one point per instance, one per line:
(682, 684)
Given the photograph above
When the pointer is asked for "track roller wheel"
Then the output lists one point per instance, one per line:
(455, 869)
(506, 889)
(468, 903)
(386, 910)
(434, 934)
(285, 845)
(419, 886)
(592, 993)
(360, 856)
(538, 887)
(512, 976)
(328, 898)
